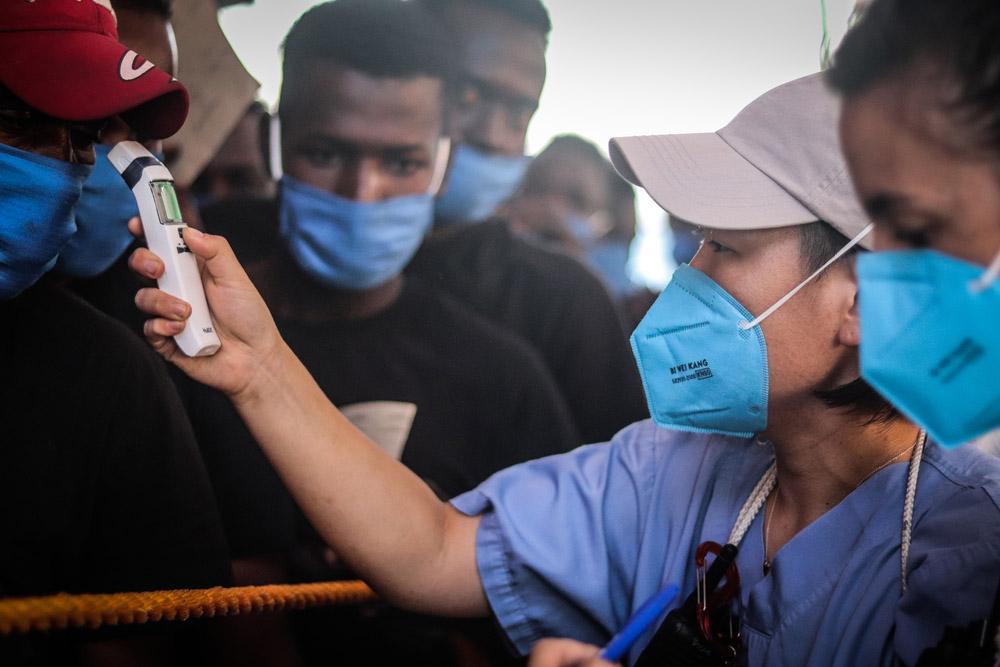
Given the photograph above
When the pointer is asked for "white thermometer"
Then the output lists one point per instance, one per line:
(153, 187)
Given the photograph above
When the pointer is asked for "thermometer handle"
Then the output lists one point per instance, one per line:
(153, 187)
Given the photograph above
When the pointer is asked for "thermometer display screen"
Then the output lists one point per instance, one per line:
(166, 203)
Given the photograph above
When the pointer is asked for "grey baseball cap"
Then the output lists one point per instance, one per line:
(777, 164)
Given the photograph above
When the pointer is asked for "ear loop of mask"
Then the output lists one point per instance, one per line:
(440, 165)
(783, 300)
(274, 148)
(277, 169)
(983, 282)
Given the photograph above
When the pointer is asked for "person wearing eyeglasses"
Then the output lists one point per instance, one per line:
(805, 521)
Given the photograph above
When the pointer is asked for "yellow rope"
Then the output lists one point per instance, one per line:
(57, 612)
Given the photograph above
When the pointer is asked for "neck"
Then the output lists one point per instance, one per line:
(291, 295)
(823, 454)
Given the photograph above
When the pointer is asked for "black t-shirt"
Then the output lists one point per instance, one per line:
(553, 302)
(484, 401)
(102, 488)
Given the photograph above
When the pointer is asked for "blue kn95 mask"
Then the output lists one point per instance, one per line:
(930, 340)
(703, 358)
(102, 216)
(477, 184)
(37, 196)
(701, 371)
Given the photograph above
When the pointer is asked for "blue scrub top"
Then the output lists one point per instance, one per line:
(571, 545)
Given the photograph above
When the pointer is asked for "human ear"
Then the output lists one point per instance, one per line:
(850, 327)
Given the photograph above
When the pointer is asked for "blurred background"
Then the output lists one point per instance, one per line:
(624, 68)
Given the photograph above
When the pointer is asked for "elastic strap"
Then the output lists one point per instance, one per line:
(274, 148)
(783, 300)
(985, 280)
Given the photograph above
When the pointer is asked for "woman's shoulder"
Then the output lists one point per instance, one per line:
(966, 475)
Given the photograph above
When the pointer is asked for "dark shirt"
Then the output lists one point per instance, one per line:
(484, 401)
(553, 302)
(101, 485)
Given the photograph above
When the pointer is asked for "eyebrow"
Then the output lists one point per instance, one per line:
(882, 204)
(352, 147)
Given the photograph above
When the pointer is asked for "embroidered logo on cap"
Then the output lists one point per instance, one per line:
(127, 69)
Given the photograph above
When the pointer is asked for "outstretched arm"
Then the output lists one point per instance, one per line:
(417, 551)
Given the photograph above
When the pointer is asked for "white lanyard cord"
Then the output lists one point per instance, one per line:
(751, 508)
(783, 300)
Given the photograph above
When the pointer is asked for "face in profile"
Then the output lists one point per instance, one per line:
(924, 181)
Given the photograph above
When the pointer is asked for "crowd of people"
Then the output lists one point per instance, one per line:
(424, 332)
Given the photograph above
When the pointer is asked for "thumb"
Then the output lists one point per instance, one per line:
(219, 259)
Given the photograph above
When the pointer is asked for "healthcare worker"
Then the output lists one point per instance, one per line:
(856, 537)
(921, 133)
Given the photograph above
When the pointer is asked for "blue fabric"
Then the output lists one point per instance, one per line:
(700, 370)
(477, 184)
(102, 216)
(348, 244)
(930, 343)
(609, 258)
(37, 196)
(572, 545)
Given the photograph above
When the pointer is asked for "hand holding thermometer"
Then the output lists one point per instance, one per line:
(638, 624)
(153, 187)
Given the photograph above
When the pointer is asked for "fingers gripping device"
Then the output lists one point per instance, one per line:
(153, 187)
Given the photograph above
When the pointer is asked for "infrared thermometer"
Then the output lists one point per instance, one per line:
(153, 187)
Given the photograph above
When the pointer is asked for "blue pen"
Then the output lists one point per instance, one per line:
(638, 624)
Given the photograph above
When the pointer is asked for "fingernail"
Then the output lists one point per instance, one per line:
(177, 327)
(150, 267)
(197, 233)
(180, 310)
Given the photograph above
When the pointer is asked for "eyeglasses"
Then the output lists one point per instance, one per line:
(714, 604)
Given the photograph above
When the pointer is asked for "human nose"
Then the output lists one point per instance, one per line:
(361, 181)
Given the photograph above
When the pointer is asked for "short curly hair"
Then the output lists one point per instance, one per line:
(531, 13)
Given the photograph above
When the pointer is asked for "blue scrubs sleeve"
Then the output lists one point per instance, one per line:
(558, 545)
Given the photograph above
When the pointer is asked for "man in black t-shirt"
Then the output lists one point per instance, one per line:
(550, 300)
(101, 485)
(362, 119)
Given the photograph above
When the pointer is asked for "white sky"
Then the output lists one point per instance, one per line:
(624, 67)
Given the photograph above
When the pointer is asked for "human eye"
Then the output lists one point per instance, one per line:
(403, 166)
(322, 157)
(715, 245)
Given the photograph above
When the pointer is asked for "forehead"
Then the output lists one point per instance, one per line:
(500, 50)
(892, 142)
(350, 105)
(569, 171)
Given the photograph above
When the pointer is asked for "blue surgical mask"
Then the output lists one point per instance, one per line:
(477, 184)
(930, 340)
(609, 258)
(102, 218)
(348, 244)
(37, 196)
(703, 358)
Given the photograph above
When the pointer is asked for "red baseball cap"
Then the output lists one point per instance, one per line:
(63, 58)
